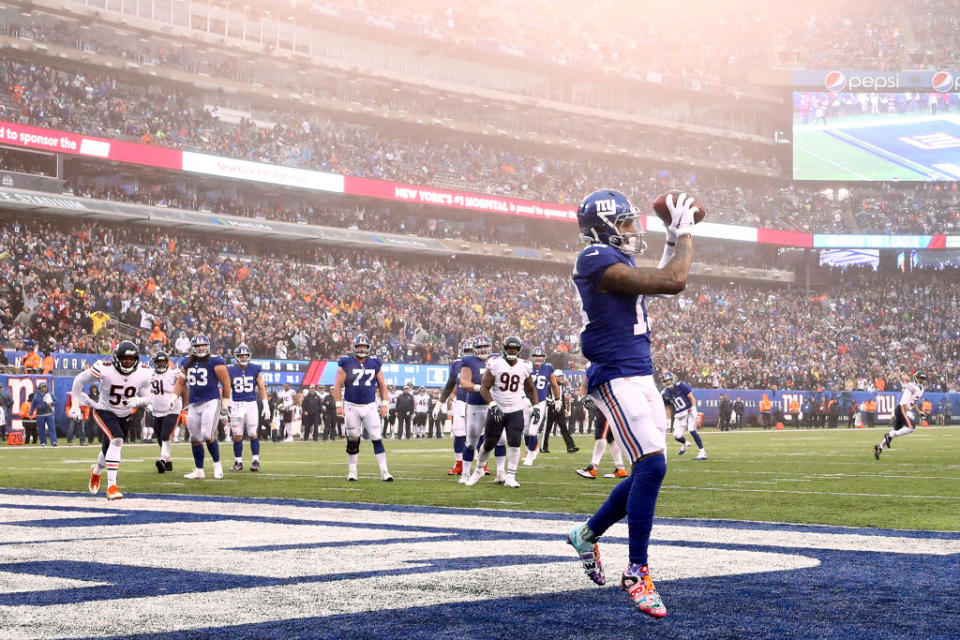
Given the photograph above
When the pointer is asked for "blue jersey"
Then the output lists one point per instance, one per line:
(615, 337)
(541, 380)
(202, 380)
(360, 387)
(678, 397)
(243, 382)
(477, 368)
(455, 367)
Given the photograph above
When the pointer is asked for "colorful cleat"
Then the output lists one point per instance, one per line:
(486, 470)
(638, 584)
(620, 472)
(589, 472)
(255, 465)
(589, 553)
(113, 493)
(457, 469)
(876, 451)
(237, 466)
(94, 485)
(161, 468)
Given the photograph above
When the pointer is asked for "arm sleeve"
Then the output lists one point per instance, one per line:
(82, 379)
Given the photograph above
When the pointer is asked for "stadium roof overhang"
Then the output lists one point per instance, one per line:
(220, 224)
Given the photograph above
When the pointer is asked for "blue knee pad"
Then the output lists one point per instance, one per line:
(499, 451)
(377, 446)
(458, 443)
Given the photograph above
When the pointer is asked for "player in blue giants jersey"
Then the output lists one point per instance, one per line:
(682, 408)
(615, 338)
(247, 386)
(458, 408)
(360, 375)
(471, 375)
(207, 382)
(544, 380)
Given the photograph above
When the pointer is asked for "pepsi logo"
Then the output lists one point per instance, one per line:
(835, 81)
(942, 81)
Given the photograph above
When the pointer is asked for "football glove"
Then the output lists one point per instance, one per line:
(75, 413)
(495, 413)
(138, 402)
(225, 408)
(535, 415)
(681, 216)
(173, 402)
(589, 404)
(436, 411)
(265, 412)
(558, 405)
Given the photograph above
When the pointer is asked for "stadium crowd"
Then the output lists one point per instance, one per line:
(847, 335)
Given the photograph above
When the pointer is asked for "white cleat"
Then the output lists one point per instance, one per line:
(217, 470)
(701, 456)
(463, 480)
(511, 483)
(528, 462)
(352, 476)
(474, 478)
(385, 476)
(683, 449)
(501, 478)
(196, 474)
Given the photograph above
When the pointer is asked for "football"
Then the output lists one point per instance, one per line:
(660, 207)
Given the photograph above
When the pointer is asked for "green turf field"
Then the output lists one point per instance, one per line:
(818, 156)
(809, 476)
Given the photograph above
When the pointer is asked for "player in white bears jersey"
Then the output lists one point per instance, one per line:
(906, 415)
(506, 382)
(165, 406)
(124, 386)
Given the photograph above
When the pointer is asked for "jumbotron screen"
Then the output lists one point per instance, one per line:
(905, 136)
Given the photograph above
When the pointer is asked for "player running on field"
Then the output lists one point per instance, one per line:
(906, 415)
(505, 383)
(682, 408)
(124, 386)
(165, 406)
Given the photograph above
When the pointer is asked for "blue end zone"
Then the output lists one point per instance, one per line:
(852, 595)
(889, 138)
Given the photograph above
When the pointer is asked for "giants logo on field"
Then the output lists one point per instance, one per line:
(942, 81)
(835, 81)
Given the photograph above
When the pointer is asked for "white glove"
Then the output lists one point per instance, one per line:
(75, 413)
(435, 414)
(681, 216)
(138, 402)
(173, 402)
(558, 405)
(266, 411)
(225, 407)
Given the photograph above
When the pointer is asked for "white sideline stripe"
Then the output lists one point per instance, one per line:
(949, 167)
(816, 493)
(915, 166)
(828, 161)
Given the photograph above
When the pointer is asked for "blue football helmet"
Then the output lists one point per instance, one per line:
(538, 356)
(200, 346)
(481, 347)
(361, 346)
(600, 216)
(242, 354)
(668, 379)
(466, 347)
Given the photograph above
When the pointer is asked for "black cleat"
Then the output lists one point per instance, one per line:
(573, 449)
(161, 467)
(887, 440)
(876, 451)
(168, 464)
(544, 450)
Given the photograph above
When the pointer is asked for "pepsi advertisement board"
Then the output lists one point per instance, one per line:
(866, 126)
